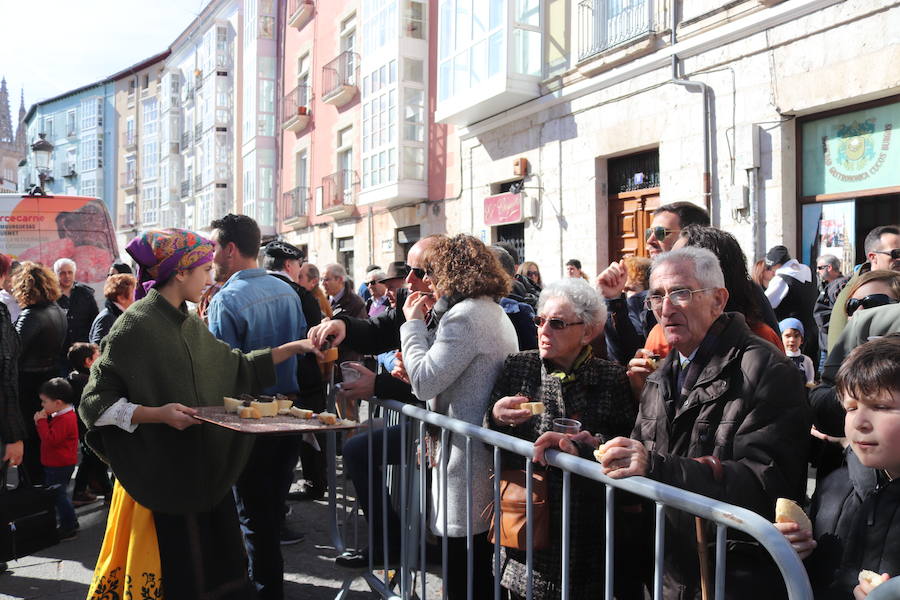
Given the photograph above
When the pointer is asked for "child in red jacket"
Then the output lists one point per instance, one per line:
(57, 426)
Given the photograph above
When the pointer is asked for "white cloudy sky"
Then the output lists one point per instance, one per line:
(49, 47)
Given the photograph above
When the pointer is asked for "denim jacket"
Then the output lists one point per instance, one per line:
(254, 310)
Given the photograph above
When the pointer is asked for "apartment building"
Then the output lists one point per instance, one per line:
(578, 118)
(81, 125)
(362, 171)
(139, 153)
(202, 118)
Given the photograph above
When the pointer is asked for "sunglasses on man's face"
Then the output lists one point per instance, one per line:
(418, 272)
(557, 324)
(894, 254)
(870, 301)
(659, 233)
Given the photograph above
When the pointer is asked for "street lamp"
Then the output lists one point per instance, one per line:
(42, 150)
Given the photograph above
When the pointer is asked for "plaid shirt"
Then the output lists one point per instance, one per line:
(595, 392)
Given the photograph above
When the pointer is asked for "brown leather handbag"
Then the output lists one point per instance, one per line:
(513, 503)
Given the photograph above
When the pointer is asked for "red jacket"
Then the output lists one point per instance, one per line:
(59, 440)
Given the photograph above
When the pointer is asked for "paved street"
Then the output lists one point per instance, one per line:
(64, 571)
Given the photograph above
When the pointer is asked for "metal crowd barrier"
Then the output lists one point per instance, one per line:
(413, 492)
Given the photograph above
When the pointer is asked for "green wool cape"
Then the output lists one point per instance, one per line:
(156, 354)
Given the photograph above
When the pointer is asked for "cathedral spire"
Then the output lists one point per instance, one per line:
(6, 128)
(21, 143)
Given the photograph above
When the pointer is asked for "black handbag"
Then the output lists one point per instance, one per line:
(27, 518)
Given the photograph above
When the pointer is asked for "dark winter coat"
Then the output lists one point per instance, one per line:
(81, 310)
(12, 427)
(42, 333)
(746, 407)
(104, 322)
(873, 541)
(835, 504)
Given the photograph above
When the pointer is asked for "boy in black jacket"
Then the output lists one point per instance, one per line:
(91, 470)
(856, 510)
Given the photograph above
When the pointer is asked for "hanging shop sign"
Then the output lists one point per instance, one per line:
(852, 152)
(502, 209)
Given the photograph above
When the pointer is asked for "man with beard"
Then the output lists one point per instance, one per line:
(254, 310)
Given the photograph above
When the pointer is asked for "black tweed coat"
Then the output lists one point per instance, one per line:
(601, 399)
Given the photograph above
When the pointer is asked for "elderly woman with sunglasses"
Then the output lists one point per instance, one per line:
(570, 382)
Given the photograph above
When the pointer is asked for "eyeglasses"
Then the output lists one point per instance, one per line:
(677, 297)
(532, 273)
(894, 253)
(417, 271)
(557, 324)
(870, 301)
(659, 232)
(371, 283)
(822, 267)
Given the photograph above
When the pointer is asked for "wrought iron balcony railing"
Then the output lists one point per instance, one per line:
(604, 24)
(293, 203)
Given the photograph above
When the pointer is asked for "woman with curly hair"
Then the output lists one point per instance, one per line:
(42, 329)
(449, 367)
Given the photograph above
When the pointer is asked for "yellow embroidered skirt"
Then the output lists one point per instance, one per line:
(129, 557)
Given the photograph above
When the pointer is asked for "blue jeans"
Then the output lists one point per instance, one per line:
(260, 494)
(60, 476)
(356, 465)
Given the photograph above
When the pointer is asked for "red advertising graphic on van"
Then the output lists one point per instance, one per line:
(46, 228)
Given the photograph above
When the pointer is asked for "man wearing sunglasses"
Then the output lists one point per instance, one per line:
(375, 336)
(722, 395)
(622, 339)
(882, 246)
(831, 282)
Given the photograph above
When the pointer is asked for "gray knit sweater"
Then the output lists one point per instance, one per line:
(454, 368)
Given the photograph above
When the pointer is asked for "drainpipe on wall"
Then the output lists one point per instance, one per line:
(704, 89)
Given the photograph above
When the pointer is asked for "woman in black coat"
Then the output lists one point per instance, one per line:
(42, 329)
(119, 292)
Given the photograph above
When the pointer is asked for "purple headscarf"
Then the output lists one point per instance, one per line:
(161, 252)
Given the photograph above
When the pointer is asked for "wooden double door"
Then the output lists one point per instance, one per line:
(630, 214)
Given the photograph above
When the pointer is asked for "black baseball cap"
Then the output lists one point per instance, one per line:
(777, 255)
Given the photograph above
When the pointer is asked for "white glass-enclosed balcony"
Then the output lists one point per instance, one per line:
(489, 57)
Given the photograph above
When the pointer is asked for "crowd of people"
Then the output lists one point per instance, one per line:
(688, 367)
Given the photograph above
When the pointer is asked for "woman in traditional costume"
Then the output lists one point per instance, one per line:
(173, 529)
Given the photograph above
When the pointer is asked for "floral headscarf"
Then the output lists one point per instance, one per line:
(159, 253)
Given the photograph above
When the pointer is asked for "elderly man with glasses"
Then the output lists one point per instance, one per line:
(723, 415)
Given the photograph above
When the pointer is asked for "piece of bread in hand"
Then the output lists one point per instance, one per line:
(599, 452)
(788, 511)
(536, 408)
(870, 577)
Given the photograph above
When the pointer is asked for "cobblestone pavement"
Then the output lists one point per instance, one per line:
(63, 572)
